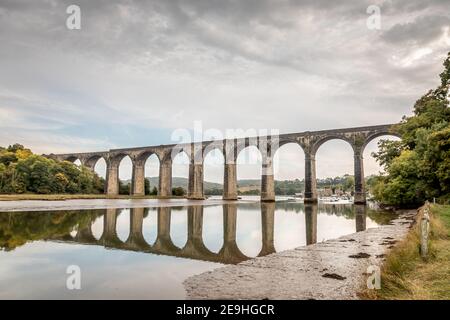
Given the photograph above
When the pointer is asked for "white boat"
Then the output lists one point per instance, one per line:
(334, 199)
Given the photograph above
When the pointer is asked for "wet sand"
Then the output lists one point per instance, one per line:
(90, 204)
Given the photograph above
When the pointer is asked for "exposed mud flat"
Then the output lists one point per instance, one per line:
(334, 269)
(91, 204)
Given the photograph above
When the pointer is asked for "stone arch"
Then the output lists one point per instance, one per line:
(72, 158)
(378, 134)
(116, 158)
(179, 149)
(91, 161)
(285, 141)
(216, 145)
(318, 143)
(143, 156)
(244, 143)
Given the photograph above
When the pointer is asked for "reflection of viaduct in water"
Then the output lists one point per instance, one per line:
(195, 247)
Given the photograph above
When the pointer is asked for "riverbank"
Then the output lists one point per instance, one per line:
(102, 203)
(56, 197)
(334, 269)
(406, 275)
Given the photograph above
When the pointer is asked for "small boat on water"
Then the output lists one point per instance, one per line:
(334, 199)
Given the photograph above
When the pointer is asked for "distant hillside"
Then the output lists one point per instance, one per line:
(249, 183)
(252, 186)
(183, 182)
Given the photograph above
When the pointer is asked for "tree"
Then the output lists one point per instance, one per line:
(178, 191)
(388, 150)
(124, 188)
(61, 181)
(7, 157)
(21, 171)
(147, 186)
(349, 184)
(418, 167)
(154, 192)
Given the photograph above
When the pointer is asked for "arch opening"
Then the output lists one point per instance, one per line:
(371, 166)
(180, 173)
(150, 225)
(123, 224)
(249, 170)
(100, 167)
(213, 172)
(335, 169)
(289, 170)
(179, 226)
(151, 175)
(288, 227)
(97, 227)
(249, 230)
(125, 174)
(213, 228)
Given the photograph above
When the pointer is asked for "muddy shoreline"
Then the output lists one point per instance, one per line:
(91, 204)
(334, 269)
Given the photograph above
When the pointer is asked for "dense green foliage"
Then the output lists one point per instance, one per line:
(418, 167)
(214, 192)
(124, 187)
(178, 191)
(21, 171)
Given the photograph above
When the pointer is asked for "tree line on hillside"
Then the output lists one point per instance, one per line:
(417, 168)
(125, 189)
(21, 171)
(345, 183)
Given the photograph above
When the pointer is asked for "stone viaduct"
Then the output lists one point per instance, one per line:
(309, 141)
(194, 247)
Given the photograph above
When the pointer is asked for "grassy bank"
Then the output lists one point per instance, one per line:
(406, 275)
(54, 197)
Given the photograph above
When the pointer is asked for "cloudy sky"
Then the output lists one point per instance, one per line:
(138, 70)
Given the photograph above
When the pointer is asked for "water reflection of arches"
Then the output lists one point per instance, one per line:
(195, 248)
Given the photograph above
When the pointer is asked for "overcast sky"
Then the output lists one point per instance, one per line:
(138, 70)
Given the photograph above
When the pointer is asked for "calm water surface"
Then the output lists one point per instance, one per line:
(148, 252)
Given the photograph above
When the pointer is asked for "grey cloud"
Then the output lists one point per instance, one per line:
(421, 31)
(163, 64)
(392, 7)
